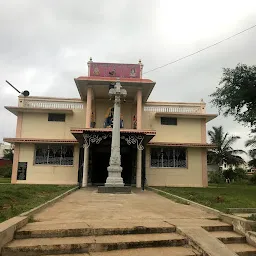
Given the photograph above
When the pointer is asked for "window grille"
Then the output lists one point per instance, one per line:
(168, 121)
(54, 154)
(52, 117)
(169, 157)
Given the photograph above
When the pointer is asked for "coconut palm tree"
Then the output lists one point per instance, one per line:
(252, 151)
(224, 152)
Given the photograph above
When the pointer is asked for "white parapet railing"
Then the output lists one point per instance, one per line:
(52, 104)
(175, 108)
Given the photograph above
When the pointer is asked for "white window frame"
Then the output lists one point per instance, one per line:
(47, 161)
(173, 157)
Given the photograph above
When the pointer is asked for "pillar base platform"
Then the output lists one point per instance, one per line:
(115, 190)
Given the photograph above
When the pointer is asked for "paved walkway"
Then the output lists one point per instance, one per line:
(87, 208)
(86, 205)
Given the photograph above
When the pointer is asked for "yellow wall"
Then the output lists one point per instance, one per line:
(36, 125)
(187, 130)
(127, 110)
(47, 174)
(183, 177)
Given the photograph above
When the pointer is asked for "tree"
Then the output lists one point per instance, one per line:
(8, 154)
(252, 151)
(224, 153)
(237, 96)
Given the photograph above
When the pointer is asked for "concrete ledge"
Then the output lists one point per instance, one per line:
(9, 227)
(240, 225)
(186, 201)
(120, 190)
(251, 238)
(204, 242)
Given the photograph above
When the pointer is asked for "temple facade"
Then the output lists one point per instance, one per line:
(68, 141)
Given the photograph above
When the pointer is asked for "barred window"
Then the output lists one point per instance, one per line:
(54, 154)
(169, 157)
(168, 121)
(52, 117)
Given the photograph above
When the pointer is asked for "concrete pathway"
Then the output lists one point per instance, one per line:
(85, 213)
(88, 205)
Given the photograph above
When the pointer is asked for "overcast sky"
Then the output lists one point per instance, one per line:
(46, 44)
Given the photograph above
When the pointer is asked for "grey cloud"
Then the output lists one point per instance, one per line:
(46, 44)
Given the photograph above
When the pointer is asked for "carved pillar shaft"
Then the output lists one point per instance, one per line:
(115, 145)
(114, 170)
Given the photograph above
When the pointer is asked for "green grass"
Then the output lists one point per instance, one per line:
(5, 180)
(19, 198)
(219, 197)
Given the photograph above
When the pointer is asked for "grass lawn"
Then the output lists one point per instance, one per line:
(220, 197)
(5, 180)
(16, 199)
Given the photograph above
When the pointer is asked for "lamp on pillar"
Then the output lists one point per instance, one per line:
(114, 182)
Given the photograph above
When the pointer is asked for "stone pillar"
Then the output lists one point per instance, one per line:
(139, 109)
(138, 169)
(85, 166)
(88, 108)
(114, 178)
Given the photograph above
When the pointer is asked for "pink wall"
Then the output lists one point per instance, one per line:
(119, 70)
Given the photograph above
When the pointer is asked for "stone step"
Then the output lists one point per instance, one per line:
(44, 246)
(242, 249)
(219, 227)
(229, 237)
(163, 251)
(83, 229)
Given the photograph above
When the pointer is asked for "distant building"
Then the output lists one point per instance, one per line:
(4, 146)
(61, 140)
(245, 166)
(251, 171)
(226, 166)
(4, 162)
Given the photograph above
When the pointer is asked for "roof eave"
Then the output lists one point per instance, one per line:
(208, 117)
(188, 145)
(16, 110)
(39, 140)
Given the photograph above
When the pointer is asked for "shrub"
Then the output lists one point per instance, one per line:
(216, 177)
(229, 174)
(253, 179)
(237, 175)
(240, 174)
(6, 171)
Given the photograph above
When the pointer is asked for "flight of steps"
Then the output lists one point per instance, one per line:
(80, 239)
(234, 241)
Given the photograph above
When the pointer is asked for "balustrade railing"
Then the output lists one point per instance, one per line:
(175, 108)
(52, 104)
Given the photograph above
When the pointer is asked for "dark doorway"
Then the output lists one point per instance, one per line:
(100, 161)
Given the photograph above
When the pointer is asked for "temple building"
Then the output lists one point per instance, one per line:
(68, 141)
